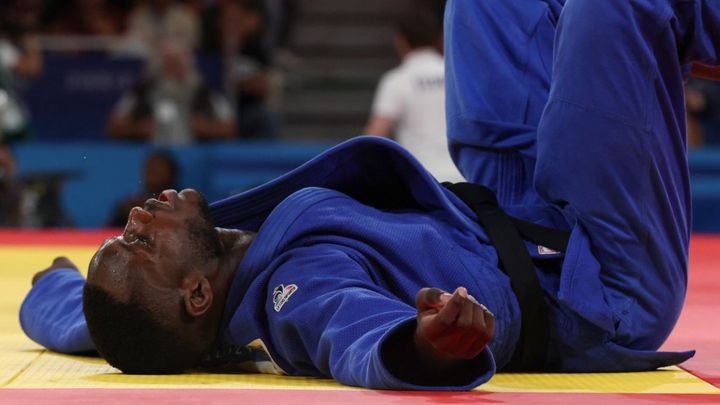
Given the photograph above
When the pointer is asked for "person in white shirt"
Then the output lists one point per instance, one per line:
(409, 102)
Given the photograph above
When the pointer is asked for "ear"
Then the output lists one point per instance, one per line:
(197, 294)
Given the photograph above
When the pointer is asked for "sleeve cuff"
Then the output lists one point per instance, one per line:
(52, 314)
(398, 357)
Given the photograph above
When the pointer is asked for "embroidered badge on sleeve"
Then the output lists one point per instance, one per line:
(282, 294)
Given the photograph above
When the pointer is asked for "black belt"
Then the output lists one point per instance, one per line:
(506, 234)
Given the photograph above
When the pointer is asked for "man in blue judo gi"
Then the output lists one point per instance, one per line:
(325, 271)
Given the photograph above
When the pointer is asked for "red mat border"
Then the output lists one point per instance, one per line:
(702, 295)
(296, 397)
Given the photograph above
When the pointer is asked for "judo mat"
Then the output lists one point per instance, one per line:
(30, 374)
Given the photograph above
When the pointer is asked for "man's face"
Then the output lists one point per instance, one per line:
(161, 242)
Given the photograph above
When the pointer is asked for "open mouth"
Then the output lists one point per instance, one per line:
(169, 197)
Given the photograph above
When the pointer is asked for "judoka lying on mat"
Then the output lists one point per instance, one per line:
(361, 267)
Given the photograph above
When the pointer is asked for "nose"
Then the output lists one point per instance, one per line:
(140, 216)
(137, 219)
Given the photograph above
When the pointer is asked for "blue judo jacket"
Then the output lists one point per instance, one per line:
(344, 243)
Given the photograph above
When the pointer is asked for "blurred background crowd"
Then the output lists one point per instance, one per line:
(104, 103)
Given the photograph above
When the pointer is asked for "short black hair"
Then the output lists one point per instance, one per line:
(419, 27)
(130, 338)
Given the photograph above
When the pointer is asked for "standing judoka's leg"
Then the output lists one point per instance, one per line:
(498, 55)
(612, 148)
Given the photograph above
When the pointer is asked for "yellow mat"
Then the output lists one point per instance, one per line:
(23, 364)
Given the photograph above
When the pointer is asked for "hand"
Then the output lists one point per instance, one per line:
(451, 327)
(60, 262)
(7, 162)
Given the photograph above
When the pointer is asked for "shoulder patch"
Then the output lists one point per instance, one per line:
(282, 294)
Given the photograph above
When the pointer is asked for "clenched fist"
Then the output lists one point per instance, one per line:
(451, 327)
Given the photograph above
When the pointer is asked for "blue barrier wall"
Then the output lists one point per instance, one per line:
(104, 173)
(705, 186)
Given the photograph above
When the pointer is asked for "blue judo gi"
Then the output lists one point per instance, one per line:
(579, 104)
(345, 242)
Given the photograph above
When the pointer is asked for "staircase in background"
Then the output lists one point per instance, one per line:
(344, 46)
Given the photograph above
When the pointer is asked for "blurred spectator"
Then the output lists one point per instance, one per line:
(702, 99)
(20, 55)
(437, 7)
(281, 19)
(19, 45)
(172, 106)
(161, 173)
(33, 200)
(153, 23)
(87, 17)
(236, 29)
(410, 99)
(697, 110)
(10, 190)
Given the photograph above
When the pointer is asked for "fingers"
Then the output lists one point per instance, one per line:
(461, 329)
(483, 329)
(449, 314)
(60, 262)
(465, 318)
(63, 262)
(489, 318)
(431, 298)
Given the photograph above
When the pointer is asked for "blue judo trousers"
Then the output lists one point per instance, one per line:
(579, 105)
(573, 113)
